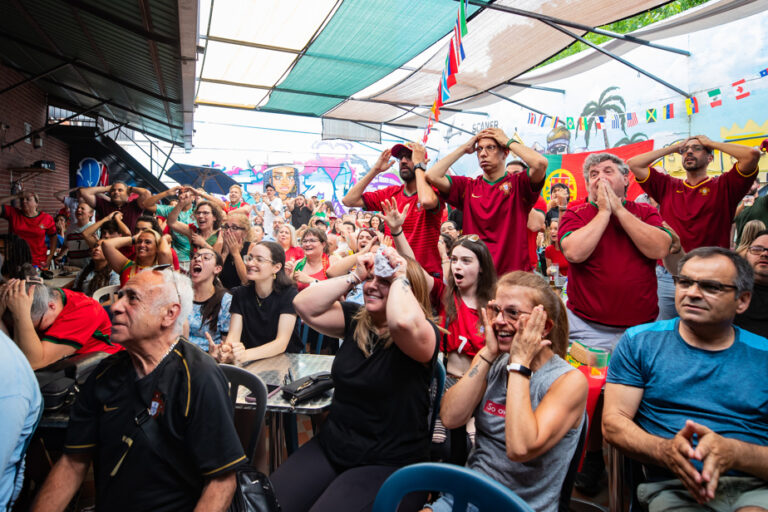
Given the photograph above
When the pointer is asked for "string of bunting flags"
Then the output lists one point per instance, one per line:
(691, 106)
(452, 61)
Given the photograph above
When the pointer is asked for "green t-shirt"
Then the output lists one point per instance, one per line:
(180, 242)
(758, 211)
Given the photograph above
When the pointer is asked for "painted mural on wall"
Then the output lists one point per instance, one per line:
(613, 108)
(328, 178)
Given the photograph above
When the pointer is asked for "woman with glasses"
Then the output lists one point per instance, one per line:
(149, 247)
(528, 402)
(263, 320)
(382, 372)
(236, 237)
(208, 218)
(313, 267)
(210, 317)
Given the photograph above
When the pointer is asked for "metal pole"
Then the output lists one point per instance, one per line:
(521, 104)
(410, 111)
(36, 77)
(168, 157)
(537, 87)
(390, 133)
(550, 19)
(616, 57)
(47, 126)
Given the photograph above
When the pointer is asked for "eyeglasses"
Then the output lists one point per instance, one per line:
(309, 241)
(510, 314)
(757, 250)
(205, 256)
(706, 286)
(489, 148)
(233, 227)
(471, 238)
(256, 259)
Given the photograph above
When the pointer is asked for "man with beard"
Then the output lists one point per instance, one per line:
(755, 318)
(415, 197)
(699, 208)
(119, 194)
(300, 214)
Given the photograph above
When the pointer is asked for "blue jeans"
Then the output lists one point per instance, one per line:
(666, 294)
(445, 504)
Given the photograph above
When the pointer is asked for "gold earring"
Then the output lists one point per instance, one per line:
(274, 276)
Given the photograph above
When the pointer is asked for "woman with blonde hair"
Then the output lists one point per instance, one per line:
(236, 237)
(150, 249)
(521, 370)
(748, 235)
(286, 237)
(382, 372)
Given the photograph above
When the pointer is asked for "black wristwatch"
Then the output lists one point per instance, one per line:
(519, 368)
(421, 166)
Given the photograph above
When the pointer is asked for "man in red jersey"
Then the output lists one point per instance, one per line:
(50, 323)
(422, 224)
(699, 208)
(612, 246)
(495, 204)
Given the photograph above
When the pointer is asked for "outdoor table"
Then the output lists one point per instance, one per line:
(62, 281)
(273, 371)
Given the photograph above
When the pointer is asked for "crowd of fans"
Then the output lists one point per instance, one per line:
(480, 273)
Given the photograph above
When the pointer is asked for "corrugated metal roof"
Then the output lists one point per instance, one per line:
(128, 53)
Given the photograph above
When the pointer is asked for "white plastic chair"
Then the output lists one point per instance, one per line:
(106, 292)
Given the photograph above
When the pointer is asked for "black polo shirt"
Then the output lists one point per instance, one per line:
(187, 398)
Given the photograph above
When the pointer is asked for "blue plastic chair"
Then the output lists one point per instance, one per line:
(464, 484)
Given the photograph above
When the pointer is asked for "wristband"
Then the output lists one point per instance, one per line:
(397, 234)
(403, 279)
(510, 142)
(355, 279)
(484, 359)
(519, 368)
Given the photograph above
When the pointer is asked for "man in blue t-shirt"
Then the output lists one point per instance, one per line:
(689, 396)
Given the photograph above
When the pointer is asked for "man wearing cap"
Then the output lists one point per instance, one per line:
(270, 207)
(422, 222)
(495, 204)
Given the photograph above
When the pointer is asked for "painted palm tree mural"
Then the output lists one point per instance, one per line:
(636, 137)
(606, 105)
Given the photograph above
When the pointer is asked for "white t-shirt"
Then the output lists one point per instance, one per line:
(269, 217)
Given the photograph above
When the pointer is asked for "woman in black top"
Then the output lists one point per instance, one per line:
(236, 237)
(263, 321)
(382, 372)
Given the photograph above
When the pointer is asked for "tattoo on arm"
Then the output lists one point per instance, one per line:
(474, 371)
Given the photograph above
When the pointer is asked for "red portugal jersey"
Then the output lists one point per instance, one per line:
(498, 213)
(32, 230)
(466, 333)
(701, 214)
(540, 205)
(616, 285)
(554, 255)
(82, 324)
(421, 227)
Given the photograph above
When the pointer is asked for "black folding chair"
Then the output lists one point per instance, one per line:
(238, 377)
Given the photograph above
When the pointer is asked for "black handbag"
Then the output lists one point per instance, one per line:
(254, 492)
(307, 387)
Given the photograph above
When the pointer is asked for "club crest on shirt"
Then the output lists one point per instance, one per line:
(42, 226)
(157, 406)
(704, 191)
(505, 188)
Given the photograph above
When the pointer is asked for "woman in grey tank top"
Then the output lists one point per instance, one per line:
(521, 368)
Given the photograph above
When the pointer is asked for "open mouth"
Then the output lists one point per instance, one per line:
(505, 336)
(458, 277)
(195, 269)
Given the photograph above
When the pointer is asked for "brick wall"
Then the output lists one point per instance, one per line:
(27, 104)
